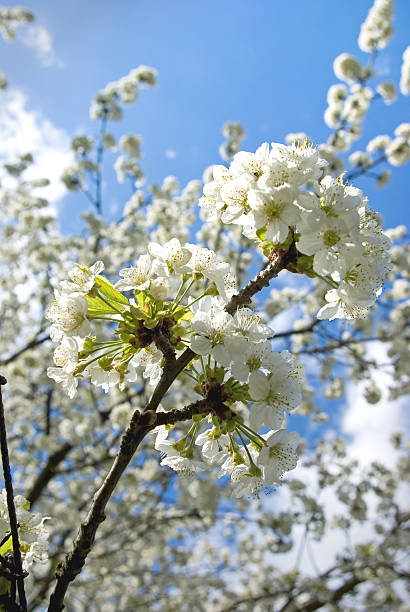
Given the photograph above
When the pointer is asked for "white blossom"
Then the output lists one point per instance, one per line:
(33, 535)
(279, 455)
(68, 315)
(137, 277)
(274, 393)
(215, 331)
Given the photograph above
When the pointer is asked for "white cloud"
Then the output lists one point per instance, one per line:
(368, 426)
(26, 131)
(171, 154)
(366, 429)
(38, 38)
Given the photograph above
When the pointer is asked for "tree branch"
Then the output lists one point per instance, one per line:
(48, 472)
(139, 426)
(18, 565)
(34, 342)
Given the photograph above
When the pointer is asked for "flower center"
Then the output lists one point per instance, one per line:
(253, 363)
(274, 210)
(217, 337)
(330, 238)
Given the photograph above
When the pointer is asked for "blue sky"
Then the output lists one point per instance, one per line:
(267, 64)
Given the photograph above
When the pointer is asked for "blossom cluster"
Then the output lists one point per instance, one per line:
(396, 150)
(33, 535)
(377, 28)
(256, 387)
(180, 295)
(348, 102)
(106, 103)
(152, 315)
(234, 133)
(11, 18)
(277, 195)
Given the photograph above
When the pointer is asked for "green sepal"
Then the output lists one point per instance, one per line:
(138, 313)
(150, 323)
(237, 391)
(198, 389)
(124, 335)
(267, 248)
(89, 344)
(254, 470)
(105, 363)
(109, 291)
(80, 367)
(219, 373)
(261, 233)
(178, 330)
(122, 368)
(212, 290)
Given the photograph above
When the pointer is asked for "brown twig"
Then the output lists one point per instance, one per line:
(34, 342)
(18, 565)
(48, 472)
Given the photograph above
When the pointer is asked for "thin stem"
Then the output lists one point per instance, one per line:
(87, 363)
(252, 435)
(181, 286)
(89, 196)
(195, 428)
(328, 281)
(364, 169)
(98, 178)
(197, 299)
(104, 318)
(190, 376)
(10, 503)
(245, 447)
(194, 369)
(184, 294)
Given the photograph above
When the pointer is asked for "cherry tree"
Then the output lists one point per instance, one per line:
(147, 398)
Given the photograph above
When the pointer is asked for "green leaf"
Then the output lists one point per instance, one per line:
(7, 546)
(141, 297)
(109, 291)
(182, 313)
(261, 233)
(97, 306)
